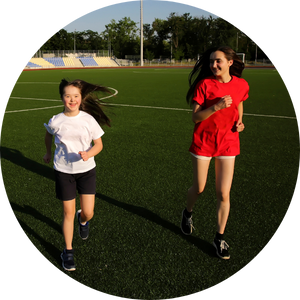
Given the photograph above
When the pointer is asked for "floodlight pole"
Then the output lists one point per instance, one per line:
(74, 42)
(142, 35)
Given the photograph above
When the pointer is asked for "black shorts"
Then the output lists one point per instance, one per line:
(66, 185)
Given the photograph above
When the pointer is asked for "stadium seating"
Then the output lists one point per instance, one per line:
(56, 61)
(32, 65)
(105, 62)
(42, 62)
(68, 62)
(88, 61)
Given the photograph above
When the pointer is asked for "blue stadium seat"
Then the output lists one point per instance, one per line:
(32, 65)
(56, 61)
(88, 61)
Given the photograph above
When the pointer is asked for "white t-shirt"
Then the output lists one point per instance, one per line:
(73, 134)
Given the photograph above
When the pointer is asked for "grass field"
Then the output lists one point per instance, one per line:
(135, 248)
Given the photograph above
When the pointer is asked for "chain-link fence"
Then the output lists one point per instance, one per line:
(72, 53)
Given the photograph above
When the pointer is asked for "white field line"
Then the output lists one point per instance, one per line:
(20, 82)
(136, 106)
(51, 100)
(40, 108)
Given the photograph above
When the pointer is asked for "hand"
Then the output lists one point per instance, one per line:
(84, 155)
(47, 158)
(225, 102)
(240, 127)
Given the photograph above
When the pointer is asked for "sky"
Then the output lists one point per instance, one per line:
(96, 20)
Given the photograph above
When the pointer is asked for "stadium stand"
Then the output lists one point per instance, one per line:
(42, 62)
(56, 61)
(32, 65)
(88, 61)
(105, 62)
(71, 62)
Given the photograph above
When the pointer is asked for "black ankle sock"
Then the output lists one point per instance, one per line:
(187, 214)
(219, 236)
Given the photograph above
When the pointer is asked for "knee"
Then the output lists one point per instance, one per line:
(88, 215)
(69, 215)
(223, 196)
(197, 190)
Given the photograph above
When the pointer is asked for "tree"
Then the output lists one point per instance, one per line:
(149, 55)
(223, 33)
(175, 25)
(161, 34)
(122, 36)
(60, 40)
(149, 38)
(179, 53)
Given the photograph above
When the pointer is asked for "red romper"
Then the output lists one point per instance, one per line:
(217, 135)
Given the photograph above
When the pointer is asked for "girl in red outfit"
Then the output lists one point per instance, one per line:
(216, 94)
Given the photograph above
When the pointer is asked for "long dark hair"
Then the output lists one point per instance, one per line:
(202, 69)
(90, 103)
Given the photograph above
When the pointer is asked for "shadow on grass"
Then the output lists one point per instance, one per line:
(145, 213)
(27, 230)
(16, 157)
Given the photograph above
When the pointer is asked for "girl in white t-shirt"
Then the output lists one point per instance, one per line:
(74, 130)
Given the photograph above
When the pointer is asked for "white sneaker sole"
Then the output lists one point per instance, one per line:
(223, 257)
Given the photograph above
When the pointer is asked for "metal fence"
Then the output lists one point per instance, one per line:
(184, 62)
(72, 53)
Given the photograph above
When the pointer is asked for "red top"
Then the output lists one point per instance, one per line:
(217, 135)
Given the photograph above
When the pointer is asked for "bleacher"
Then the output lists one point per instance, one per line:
(105, 62)
(32, 65)
(56, 62)
(41, 62)
(88, 61)
(69, 62)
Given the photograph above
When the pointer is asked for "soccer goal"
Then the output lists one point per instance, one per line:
(241, 56)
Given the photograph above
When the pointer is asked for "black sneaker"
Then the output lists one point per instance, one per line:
(221, 248)
(68, 260)
(186, 224)
(83, 229)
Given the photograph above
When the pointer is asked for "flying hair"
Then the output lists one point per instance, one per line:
(90, 102)
(202, 69)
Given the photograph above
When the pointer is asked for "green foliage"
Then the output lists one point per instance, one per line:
(149, 55)
(190, 36)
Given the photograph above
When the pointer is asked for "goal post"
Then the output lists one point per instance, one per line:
(241, 56)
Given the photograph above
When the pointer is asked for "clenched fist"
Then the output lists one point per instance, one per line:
(225, 102)
(47, 158)
(84, 155)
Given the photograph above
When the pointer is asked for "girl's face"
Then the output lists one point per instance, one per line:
(72, 100)
(219, 65)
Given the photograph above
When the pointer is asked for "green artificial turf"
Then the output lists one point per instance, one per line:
(136, 249)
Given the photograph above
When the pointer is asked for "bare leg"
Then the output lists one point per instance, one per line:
(87, 203)
(68, 222)
(200, 170)
(224, 173)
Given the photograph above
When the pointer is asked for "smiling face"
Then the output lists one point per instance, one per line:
(72, 100)
(220, 65)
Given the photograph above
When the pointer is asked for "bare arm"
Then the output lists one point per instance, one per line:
(48, 143)
(200, 114)
(241, 111)
(240, 126)
(97, 148)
